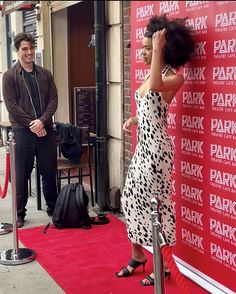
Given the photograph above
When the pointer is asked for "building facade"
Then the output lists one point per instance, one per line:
(64, 32)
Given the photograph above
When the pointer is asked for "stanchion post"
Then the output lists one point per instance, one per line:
(159, 285)
(16, 255)
(13, 189)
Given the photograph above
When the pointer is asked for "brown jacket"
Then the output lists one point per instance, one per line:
(17, 96)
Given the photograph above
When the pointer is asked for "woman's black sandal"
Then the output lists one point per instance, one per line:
(151, 280)
(132, 263)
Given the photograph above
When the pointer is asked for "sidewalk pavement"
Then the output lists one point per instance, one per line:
(30, 277)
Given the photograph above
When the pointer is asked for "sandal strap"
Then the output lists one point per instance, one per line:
(125, 272)
(150, 279)
(134, 263)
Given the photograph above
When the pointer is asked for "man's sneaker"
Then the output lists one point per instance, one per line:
(20, 222)
(50, 211)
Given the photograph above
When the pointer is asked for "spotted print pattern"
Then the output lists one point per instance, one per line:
(150, 173)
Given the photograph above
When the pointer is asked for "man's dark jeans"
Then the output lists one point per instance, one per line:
(28, 145)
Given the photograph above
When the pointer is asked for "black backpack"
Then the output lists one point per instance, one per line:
(71, 210)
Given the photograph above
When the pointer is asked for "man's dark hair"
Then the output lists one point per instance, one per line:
(23, 37)
(179, 45)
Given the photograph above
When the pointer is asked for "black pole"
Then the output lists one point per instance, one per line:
(101, 102)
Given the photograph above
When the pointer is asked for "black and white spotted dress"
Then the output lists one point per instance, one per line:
(150, 172)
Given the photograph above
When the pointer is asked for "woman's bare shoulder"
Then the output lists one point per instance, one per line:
(175, 80)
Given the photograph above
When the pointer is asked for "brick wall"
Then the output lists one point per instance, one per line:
(127, 97)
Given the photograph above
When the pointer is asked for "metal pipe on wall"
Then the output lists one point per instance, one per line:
(50, 36)
(101, 102)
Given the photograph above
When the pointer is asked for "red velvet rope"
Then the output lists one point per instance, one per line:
(178, 277)
(3, 192)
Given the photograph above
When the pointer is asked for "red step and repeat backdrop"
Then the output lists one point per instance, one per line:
(202, 123)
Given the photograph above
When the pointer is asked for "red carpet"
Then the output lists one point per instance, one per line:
(84, 261)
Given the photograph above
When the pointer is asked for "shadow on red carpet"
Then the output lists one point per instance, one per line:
(85, 261)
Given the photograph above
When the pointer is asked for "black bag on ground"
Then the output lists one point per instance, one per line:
(71, 210)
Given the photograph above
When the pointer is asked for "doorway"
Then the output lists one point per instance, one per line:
(73, 59)
(81, 60)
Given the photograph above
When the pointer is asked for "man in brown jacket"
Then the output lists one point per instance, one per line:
(30, 96)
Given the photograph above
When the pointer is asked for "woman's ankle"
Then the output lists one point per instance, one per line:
(137, 253)
(139, 257)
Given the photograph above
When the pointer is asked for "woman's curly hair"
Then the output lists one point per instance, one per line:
(179, 45)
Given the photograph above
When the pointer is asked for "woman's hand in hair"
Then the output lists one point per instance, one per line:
(159, 40)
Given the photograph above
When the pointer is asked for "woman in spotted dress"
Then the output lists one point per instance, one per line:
(167, 46)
